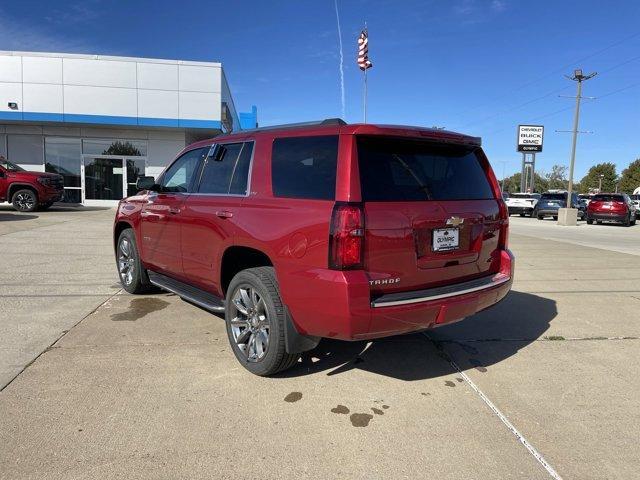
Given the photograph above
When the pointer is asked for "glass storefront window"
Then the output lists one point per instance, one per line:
(127, 148)
(62, 156)
(135, 169)
(3, 145)
(25, 149)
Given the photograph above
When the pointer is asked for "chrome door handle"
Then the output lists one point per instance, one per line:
(174, 211)
(224, 214)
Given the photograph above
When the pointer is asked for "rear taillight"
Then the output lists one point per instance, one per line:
(346, 237)
(503, 239)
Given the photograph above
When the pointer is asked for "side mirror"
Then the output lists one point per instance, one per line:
(147, 183)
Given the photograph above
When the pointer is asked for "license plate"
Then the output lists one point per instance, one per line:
(446, 239)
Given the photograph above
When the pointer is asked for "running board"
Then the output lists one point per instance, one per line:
(192, 294)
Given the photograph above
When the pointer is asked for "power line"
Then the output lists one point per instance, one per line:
(563, 68)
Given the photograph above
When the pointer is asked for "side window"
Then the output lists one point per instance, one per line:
(179, 175)
(228, 170)
(240, 178)
(305, 167)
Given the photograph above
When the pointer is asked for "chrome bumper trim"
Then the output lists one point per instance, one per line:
(438, 293)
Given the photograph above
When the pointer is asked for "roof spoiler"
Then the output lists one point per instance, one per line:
(327, 121)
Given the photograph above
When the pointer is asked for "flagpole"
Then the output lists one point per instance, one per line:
(365, 78)
(365, 95)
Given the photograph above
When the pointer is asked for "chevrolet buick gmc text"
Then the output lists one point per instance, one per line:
(316, 230)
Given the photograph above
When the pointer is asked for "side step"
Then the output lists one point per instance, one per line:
(190, 293)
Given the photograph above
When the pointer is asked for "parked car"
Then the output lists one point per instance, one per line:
(28, 191)
(585, 197)
(351, 232)
(551, 202)
(522, 203)
(612, 207)
(636, 200)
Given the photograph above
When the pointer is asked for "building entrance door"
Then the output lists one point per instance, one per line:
(107, 179)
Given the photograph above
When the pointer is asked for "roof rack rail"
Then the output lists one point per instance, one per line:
(326, 121)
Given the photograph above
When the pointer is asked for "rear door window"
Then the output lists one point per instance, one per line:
(393, 169)
(227, 171)
(305, 167)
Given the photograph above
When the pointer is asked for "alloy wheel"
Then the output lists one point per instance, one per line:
(250, 323)
(126, 261)
(25, 200)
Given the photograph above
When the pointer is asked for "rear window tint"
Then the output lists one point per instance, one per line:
(554, 196)
(608, 198)
(393, 169)
(527, 196)
(305, 167)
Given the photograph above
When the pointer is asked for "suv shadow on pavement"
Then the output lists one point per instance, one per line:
(4, 217)
(518, 320)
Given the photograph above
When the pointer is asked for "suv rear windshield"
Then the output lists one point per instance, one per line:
(395, 169)
(553, 196)
(528, 196)
(608, 198)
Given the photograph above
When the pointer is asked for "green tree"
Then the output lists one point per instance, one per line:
(122, 148)
(512, 183)
(557, 178)
(591, 180)
(630, 178)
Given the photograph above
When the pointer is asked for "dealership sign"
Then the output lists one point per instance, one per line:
(530, 138)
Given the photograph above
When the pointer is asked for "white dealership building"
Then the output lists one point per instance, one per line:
(102, 121)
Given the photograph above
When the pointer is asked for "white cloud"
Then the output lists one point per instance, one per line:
(16, 34)
(498, 5)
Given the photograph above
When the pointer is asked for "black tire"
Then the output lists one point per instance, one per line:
(589, 221)
(555, 217)
(25, 200)
(522, 214)
(599, 222)
(633, 222)
(627, 222)
(540, 217)
(274, 359)
(138, 280)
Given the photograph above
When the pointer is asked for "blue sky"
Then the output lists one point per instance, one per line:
(476, 66)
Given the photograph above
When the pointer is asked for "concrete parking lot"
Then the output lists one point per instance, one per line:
(101, 384)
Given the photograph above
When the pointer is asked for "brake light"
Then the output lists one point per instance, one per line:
(503, 238)
(346, 237)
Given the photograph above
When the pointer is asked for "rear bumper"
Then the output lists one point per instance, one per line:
(341, 305)
(542, 212)
(516, 210)
(607, 217)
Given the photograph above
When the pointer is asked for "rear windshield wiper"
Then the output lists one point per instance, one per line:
(422, 186)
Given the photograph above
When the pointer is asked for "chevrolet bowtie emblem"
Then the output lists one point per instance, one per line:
(455, 221)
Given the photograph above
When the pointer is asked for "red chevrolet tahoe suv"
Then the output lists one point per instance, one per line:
(28, 191)
(320, 230)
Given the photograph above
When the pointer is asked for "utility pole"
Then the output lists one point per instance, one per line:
(579, 77)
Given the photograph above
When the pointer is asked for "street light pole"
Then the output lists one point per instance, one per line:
(600, 183)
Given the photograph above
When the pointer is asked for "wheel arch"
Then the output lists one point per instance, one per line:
(237, 258)
(118, 228)
(14, 187)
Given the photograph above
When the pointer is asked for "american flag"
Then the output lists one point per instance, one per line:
(363, 51)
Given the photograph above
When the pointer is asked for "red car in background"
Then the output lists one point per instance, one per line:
(611, 207)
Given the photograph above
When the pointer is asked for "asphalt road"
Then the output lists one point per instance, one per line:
(546, 383)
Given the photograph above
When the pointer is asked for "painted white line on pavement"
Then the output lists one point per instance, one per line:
(537, 455)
